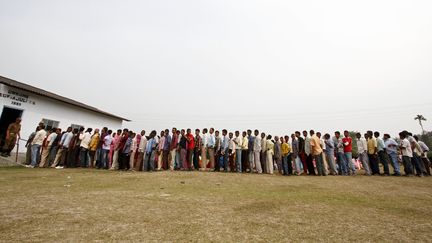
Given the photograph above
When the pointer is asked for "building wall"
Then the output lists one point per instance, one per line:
(36, 107)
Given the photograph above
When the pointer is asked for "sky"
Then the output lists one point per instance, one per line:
(276, 66)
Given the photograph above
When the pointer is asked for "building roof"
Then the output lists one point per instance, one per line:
(41, 92)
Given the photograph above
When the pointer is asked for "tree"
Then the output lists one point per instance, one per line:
(420, 119)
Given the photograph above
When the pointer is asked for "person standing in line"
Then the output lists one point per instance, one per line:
(197, 150)
(13, 133)
(133, 151)
(28, 146)
(36, 146)
(141, 151)
(178, 164)
(116, 150)
(329, 153)
(264, 153)
(190, 149)
(166, 150)
(424, 158)
(84, 147)
(317, 151)
(295, 154)
(407, 154)
(62, 154)
(126, 152)
(204, 144)
(183, 146)
(238, 151)
(382, 155)
(251, 142)
(224, 150)
(74, 148)
(362, 153)
(106, 146)
(417, 152)
(97, 148)
(286, 156)
(218, 153)
(308, 153)
(92, 151)
(278, 154)
(372, 146)
(46, 148)
(54, 146)
(173, 149)
(391, 148)
(121, 146)
(150, 152)
(44, 152)
(257, 152)
(269, 154)
(245, 152)
(231, 153)
(347, 143)
(302, 152)
(211, 149)
(161, 143)
(341, 159)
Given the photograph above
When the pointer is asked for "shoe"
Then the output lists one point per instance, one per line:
(59, 167)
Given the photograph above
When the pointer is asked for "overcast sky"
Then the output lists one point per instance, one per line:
(279, 66)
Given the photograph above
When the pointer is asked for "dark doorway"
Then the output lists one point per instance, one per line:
(8, 116)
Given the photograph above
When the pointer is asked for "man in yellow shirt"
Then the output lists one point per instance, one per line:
(286, 156)
(317, 153)
(372, 149)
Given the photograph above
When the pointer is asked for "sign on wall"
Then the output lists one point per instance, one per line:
(16, 98)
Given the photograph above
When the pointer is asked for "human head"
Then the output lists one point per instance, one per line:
(89, 130)
(205, 130)
(166, 132)
(244, 134)
(174, 130)
(110, 132)
(142, 132)
(386, 136)
(249, 132)
(211, 130)
(256, 132)
(318, 134)
(188, 131)
(230, 135)
(358, 135)
(305, 133)
(297, 134)
(346, 133)
(376, 134)
(237, 133)
(197, 132)
(311, 132)
(326, 136)
(337, 134)
(224, 132)
(263, 135)
(217, 133)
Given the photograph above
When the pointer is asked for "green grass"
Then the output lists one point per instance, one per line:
(48, 205)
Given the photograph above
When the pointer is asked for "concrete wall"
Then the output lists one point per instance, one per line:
(36, 107)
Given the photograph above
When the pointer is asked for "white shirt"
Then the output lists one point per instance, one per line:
(257, 144)
(307, 146)
(107, 142)
(143, 144)
(361, 145)
(238, 142)
(406, 148)
(85, 140)
(51, 138)
(39, 137)
(204, 140)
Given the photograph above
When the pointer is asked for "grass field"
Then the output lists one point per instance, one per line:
(48, 205)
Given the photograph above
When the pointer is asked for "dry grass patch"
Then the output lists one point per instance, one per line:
(48, 205)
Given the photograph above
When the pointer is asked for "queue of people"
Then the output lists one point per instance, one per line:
(306, 153)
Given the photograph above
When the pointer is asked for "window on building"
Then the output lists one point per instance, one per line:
(50, 124)
(75, 126)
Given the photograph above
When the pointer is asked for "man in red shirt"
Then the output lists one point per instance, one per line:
(190, 148)
(347, 143)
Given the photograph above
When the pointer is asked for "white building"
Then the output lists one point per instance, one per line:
(34, 105)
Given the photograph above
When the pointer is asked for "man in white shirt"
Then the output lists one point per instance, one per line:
(46, 148)
(407, 154)
(84, 145)
(204, 143)
(211, 148)
(106, 146)
(257, 152)
(36, 145)
(391, 149)
(425, 149)
(141, 150)
(362, 153)
(238, 142)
